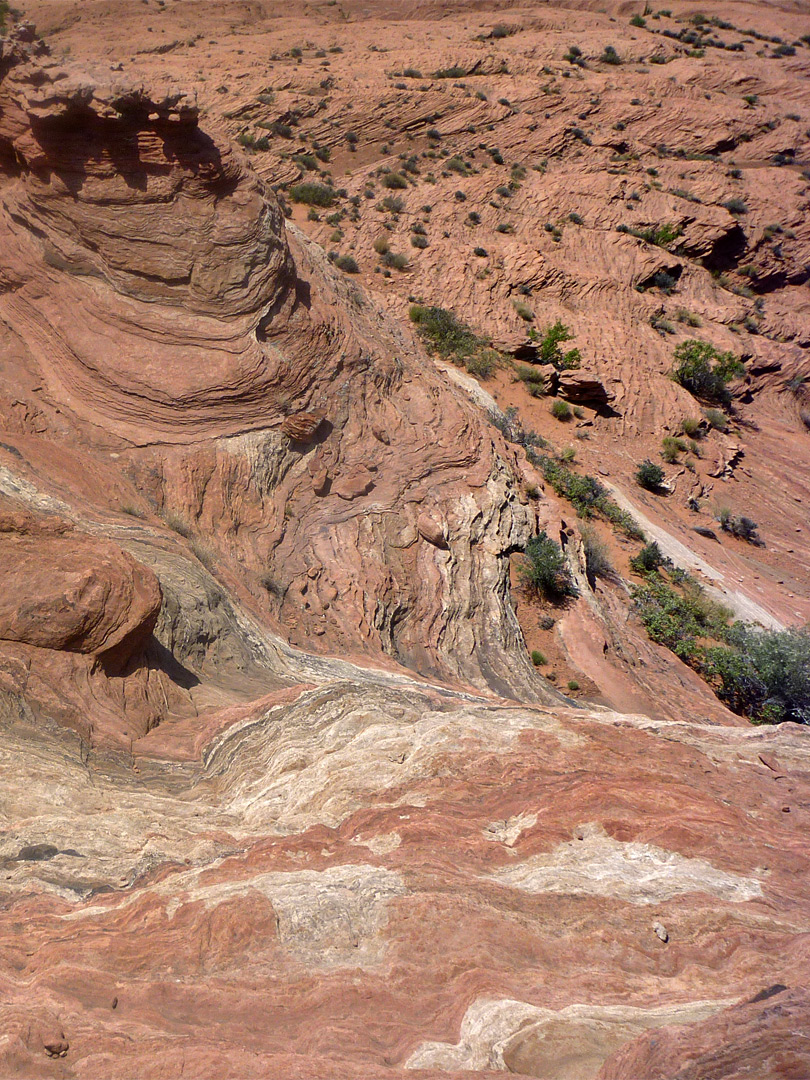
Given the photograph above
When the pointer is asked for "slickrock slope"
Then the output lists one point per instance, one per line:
(283, 794)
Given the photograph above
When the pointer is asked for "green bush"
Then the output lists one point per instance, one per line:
(549, 351)
(545, 569)
(534, 379)
(717, 419)
(585, 493)
(764, 674)
(395, 260)
(691, 427)
(538, 659)
(560, 410)
(671, 447)
(610, 56)
(348, 264)
(448, 336)
(649, 475)
(573, 684)
(482, 364)
(648, 560)
(313, 194)
(394, 181)
(680, 619)
(704, 371)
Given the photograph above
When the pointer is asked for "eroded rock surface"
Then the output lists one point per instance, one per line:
(283, 794)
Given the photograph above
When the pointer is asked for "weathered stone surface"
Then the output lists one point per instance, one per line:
(303, 426)
(324, 819)
(74, 593)
(580, 386)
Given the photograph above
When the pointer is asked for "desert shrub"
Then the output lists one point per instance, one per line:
(534, 379)
(458, 165)
(585, 493)
(418, 240)
(664, 281)
(380, 244)
(312, 194)
(480, 252)
(505, 227)
(545, 569)
(704, 371)
(740, 526)
(573, 684)
(482, 364)
(735, 206)
(394, 181)
(393, 204)
(523, 310)
(718, 420)
(648, 560)
(764, 674)
(560, 410)
(661, 235)
(411, 73)
(610, 56)
(347, 263)
(448, 336)
(450, 73)
(597, 556)
(395, 260)
(575, 219)
(549, 351)
(649, 475)
(251, 142)
(671, 447)
(638, 20)
(680, 618)
(307, 162)
(538, 659)
(691, 427)
(688, 317)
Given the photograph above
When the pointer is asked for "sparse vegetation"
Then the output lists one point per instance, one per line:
(704, 371)
(671, 448)
(740, 526)
(545, 570)
(649, 475)
(347, 263)
(313, 194)
(453, 340)
(549, 351)
(610, 56)
(538, 659)
(560, 409)
(597, 556)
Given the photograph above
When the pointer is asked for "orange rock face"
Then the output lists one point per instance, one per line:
(284, 794)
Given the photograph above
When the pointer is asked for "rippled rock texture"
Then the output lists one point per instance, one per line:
(283, 795)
